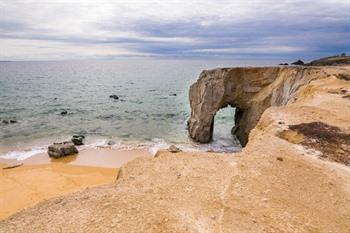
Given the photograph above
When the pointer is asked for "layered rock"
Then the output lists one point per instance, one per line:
(250, 90)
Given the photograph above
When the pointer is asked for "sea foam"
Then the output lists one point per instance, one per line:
(25, 154)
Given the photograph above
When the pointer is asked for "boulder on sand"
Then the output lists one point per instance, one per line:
(174, 149)
(61, 149)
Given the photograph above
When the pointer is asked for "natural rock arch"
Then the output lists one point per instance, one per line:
(249, 90)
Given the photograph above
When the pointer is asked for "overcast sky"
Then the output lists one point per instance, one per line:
(112, 29)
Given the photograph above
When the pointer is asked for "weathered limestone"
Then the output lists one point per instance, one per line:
(250, 90)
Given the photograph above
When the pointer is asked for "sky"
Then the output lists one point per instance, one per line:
(206, 29)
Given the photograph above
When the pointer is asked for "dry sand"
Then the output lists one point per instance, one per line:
(40, 178)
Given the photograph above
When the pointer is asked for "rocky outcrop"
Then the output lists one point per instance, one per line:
(298, 63)
(58, 150)
(250, 90)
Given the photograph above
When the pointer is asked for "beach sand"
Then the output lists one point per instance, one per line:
(40, 178)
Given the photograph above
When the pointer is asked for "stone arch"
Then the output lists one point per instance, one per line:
(218, 88)
(251, 90)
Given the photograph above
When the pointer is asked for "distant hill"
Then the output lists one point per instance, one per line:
(331, 61)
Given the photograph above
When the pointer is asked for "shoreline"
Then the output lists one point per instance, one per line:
(27, 150)
(22, 153)
(96, 157)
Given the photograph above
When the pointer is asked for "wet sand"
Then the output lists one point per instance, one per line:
(40, 178)
(103, 157)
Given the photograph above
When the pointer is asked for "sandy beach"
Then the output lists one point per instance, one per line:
(40, 178)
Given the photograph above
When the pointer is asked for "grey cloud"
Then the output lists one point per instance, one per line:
(290, 29)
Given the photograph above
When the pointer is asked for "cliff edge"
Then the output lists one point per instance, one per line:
(293, 175)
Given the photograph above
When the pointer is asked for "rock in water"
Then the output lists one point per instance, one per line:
(110, 143)
(78, 140)
(64, 112)
(298, 63)
(11, 121)
(61, 149)
(114, 97)
(174, 149)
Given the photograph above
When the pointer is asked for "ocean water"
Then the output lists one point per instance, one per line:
(151, 111)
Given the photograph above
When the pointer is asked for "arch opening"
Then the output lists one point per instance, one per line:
(223, 127)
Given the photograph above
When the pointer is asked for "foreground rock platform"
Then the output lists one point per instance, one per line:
(284, 180)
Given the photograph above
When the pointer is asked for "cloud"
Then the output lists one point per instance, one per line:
(48, 30)
(251, 50)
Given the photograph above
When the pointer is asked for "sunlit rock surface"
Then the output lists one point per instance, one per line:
(284, 180)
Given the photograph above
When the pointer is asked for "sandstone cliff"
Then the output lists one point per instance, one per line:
(292, 176)
(250, 90)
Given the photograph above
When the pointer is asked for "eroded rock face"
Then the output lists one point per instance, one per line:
(250, 90)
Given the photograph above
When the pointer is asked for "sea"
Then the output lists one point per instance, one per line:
(150, 113)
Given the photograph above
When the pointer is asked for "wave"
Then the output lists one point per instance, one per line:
(25, 154)
(219, 145)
